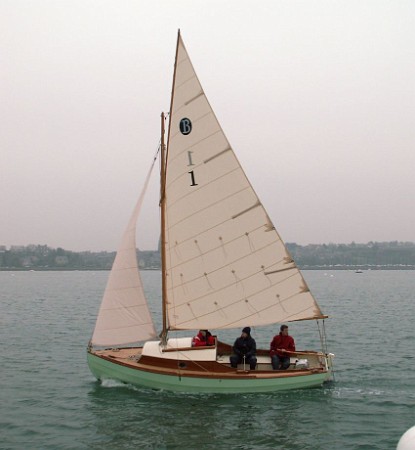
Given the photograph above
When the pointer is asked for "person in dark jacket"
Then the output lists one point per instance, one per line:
(244, 346)
(281, 343)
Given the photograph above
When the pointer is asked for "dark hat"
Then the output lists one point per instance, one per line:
(246, 330)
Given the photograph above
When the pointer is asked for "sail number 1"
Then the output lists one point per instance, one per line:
(192, 174)
(192, 177)
(186, 128)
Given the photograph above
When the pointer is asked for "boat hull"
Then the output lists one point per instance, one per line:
(103, 368)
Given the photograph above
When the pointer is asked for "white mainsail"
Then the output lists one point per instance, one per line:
(226, 265)
(124, 317)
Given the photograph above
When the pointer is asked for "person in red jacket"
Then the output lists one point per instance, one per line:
(202, 339)
(281, 343)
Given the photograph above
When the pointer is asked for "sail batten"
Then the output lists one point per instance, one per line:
(226, 265)
(217, 155)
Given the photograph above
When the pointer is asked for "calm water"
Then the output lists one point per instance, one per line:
(49, 399)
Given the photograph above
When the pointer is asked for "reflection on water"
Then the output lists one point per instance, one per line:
(156, 419)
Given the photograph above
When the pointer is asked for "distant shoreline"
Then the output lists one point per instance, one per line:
(371, 256)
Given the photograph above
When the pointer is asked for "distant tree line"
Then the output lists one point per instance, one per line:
(376, 255)
(42, 257)
(399, 255)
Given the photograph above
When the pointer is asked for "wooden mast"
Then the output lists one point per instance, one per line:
(164, 154)
(163, 230)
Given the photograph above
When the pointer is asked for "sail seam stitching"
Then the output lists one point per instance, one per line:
(259, 311)
(194, 98)
(209, 206)
(229, 242)
(178, 86)
(227, 265)
(252, 230)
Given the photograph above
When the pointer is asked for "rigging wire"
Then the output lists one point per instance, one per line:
(324, 346)
(327, 350)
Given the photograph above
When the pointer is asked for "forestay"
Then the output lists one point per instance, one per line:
(226, 264)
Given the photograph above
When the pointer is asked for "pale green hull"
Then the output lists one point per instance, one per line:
(104, 369)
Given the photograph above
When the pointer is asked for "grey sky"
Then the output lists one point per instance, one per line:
(316, 97)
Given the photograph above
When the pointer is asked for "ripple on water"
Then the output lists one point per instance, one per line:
(50, 400)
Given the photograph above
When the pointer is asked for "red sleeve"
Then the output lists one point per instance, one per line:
(199, 343)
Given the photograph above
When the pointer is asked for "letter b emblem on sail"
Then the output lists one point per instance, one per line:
(185, 126)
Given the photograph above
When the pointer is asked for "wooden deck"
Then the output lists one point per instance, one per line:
(132, 357)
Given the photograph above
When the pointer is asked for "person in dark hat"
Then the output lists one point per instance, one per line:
(244, 348)
(280, 345)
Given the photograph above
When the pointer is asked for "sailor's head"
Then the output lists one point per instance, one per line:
(246, 332)
(284, 330)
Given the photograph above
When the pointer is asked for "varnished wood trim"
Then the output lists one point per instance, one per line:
(185, 349)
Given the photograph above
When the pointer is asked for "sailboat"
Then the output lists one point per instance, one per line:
(224, 266)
